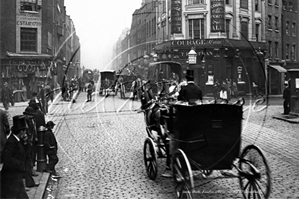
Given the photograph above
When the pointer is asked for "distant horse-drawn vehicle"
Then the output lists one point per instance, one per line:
(107, 82)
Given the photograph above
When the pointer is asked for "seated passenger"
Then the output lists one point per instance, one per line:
(191, 92)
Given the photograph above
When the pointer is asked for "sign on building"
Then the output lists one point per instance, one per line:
(217, 8)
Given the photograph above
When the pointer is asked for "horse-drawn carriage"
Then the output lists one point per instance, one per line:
(199, 139)
(107, 82)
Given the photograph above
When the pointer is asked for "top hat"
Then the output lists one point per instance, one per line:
(32, 103)
(29, 111)
(19, 123)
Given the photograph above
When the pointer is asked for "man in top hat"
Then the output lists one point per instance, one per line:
(50, 145)
(13, 157)
(191, 92)
(30, 146)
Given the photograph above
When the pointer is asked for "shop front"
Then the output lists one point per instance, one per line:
(25, 75)
(218, 60)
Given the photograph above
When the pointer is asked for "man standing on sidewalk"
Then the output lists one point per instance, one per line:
(287, 99)
(6, 95)
(50, 145)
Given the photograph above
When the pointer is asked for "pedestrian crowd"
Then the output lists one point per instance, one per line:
(19, 148)
(69, 87)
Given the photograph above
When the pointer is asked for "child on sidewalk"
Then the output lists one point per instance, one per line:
(50, 145)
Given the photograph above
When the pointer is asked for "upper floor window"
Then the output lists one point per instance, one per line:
(276, 49)
(269, 21)
(244, 30)
(228, 2)
(257, 35)
(276, 3)
(270, 49)
(269, 1)
(287, 28)
(276, 23)
(228, 28)
(28, 39)
(29, 5)
(287, 52)
(192, 2)
(291, 6)
(284, 4)
(293, 55)
(244, 4)
(294, 29)
(256, 5)
(196, 28)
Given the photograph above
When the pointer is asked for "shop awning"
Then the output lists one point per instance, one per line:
(278, 68)
(27, 55)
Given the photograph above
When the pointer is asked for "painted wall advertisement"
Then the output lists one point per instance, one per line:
(217, 8)
(176, 19)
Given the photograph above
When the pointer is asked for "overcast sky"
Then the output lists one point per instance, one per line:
(98, 24)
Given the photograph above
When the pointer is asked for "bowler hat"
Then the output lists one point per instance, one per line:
(29, 111)
(49, 124)
(19, 123)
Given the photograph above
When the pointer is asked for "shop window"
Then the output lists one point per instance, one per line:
(29, 39)
(28, 5)
(287, 28)
(193, 2)
(293, 53)
(196, 28)
(244, 30)
(287, 52)
(244, 4)
(294, 29)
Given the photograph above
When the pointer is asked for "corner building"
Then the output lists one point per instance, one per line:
(227, 35)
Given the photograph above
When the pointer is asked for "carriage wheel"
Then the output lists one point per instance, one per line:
(255, 176)
(182, 174)
(150, 158)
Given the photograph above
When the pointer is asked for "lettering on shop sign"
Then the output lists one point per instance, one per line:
(196, 42)
(29, 23)
(217, 9)
(176, 19)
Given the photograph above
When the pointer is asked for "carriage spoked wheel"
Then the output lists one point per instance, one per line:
(183, 176)
(254, 174)
(150, 158)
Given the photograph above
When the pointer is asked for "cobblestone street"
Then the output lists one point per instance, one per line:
(101, 152)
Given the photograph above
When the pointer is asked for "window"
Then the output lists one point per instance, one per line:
(291, 6)
(269, 21)
(287, 52)
(276, 23)
(29, 5)
(257, 32)
(284, 4)
(293, 55)
(244, 30)
(256, 5)
(276, 2)
(228, 28)
(196, 28)
(193, 2)
(29, 39)
(269, 1)
(287, 28)
(244, 4)
(270, 49)
(276, 49)
(227, 2)
(49, 40)
(294, 29)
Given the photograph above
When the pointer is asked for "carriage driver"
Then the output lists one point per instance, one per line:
(191, 92)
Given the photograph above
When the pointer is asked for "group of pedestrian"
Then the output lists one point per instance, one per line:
(18, 146)
(69, 88)
(225, 91)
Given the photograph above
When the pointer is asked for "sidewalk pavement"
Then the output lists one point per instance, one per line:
(291, 118)
(38, 192)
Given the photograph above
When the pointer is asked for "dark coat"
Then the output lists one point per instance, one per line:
(190, 92)
(39, 119)
(4, 128)
(50, 142)
(13, 169)
(287, 94)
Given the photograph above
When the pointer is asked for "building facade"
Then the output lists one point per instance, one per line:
(32, 43)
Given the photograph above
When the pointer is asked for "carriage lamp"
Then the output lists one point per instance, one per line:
(192, 56)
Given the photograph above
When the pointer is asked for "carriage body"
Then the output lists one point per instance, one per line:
(209, 134)
(107, 81)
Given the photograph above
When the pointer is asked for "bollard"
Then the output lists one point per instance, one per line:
(41, 156)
